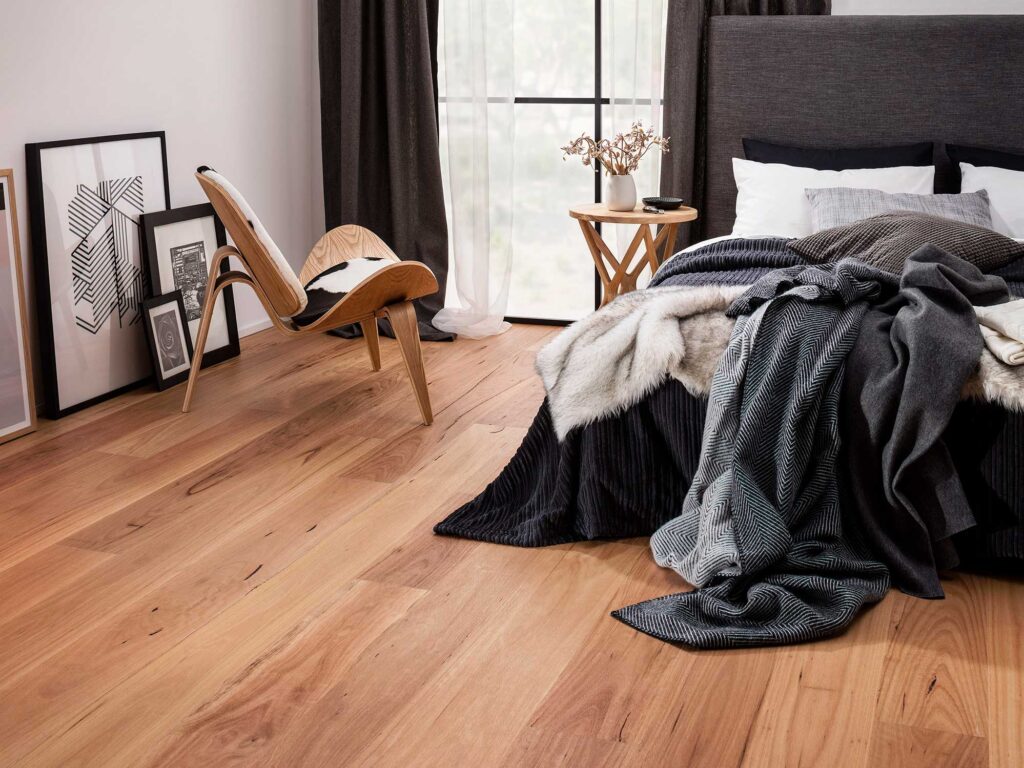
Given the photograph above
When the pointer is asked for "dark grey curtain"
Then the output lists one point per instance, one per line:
(378, 107)
(686, 40)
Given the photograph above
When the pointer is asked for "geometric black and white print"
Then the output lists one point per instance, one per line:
(106, 274)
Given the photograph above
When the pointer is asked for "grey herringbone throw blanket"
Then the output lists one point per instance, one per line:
(761, 534)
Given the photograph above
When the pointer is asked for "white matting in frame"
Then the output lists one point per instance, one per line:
(86, 196)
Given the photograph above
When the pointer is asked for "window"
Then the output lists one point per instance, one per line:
(580, 66)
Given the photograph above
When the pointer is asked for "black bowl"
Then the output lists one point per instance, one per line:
(664, 203)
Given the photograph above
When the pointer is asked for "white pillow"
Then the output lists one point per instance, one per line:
(771, 199)
(1005, 194)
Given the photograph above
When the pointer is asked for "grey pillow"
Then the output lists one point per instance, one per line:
(836, 206)
(887, 240)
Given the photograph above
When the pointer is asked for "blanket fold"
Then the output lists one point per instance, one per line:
(1006, 319)
(1002, 328)
(1008, 351)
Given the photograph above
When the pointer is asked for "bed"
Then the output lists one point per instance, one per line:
(802, 81)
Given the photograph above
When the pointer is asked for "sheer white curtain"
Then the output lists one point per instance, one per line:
(633, 58)
(477, 121)
(487, 188)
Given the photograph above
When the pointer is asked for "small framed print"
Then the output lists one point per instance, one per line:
(169, 341)
(85, 197)
(178, 245)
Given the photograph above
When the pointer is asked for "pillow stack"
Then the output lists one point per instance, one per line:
(876, 203)
(771, 182)
(771, 198)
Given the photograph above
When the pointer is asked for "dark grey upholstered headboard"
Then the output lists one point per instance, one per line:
(831, 81)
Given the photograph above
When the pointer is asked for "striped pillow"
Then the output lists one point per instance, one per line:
(836, 206)
(886, 241)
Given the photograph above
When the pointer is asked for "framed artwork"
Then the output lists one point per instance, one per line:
(178, 246)
(169, 342)
(85, 199)
(17, 398)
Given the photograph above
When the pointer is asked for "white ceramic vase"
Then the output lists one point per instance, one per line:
(620, 193)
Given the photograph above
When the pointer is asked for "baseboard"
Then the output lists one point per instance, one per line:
(243, 330)
(254, 327)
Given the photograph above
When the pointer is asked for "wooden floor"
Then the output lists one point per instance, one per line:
(256, 583)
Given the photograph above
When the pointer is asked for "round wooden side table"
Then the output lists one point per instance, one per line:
(615, 274)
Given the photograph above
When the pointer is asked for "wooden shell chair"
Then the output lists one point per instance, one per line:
(388, 292)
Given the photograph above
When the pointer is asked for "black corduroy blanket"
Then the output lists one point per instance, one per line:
(621, 476)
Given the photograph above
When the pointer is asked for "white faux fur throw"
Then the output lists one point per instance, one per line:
(613, 358)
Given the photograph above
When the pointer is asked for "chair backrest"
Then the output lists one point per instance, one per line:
(262, 257)
(349, 241)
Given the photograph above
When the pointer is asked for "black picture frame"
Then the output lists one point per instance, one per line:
(41, 266)
(148, 306)
(149, 223)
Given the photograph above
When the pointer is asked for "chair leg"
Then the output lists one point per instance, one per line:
(197, 354)
(372, 341)
(403, 321)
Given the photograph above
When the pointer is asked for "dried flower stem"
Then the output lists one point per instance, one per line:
(619, 155)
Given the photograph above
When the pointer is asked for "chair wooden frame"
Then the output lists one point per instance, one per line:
(389, 292)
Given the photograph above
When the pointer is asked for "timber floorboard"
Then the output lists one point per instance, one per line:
(256, 584)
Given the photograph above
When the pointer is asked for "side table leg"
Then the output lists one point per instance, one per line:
(669, 247)
(625, 281)
(652, 249)
(593, 238)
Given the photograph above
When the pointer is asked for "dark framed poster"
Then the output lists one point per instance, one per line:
(178, 246)
(85, 200)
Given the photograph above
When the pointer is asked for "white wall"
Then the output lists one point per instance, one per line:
(232, 82)
(925, 7)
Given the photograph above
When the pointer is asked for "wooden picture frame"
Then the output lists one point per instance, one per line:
(85, 196)
(17, 390)
(178, 247)
(170, 344)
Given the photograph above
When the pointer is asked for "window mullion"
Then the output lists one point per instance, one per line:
(598, 103)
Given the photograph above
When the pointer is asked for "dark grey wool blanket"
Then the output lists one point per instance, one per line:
(904, 374)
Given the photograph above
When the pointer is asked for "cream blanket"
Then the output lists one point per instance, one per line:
(1002, 326)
